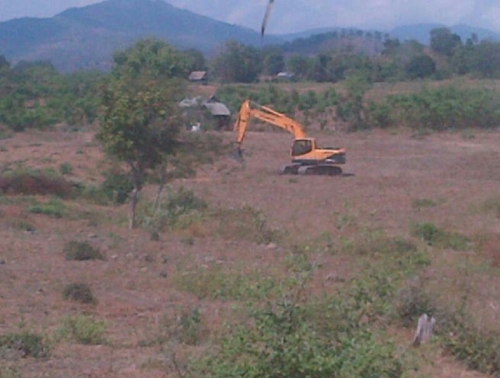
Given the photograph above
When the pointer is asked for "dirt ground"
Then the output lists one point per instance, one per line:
(388, 173)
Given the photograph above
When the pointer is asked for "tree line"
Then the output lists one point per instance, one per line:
(378, 58)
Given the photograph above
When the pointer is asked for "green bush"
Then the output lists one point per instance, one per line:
(65, 169)
(245, 223)
(79, 292)
(53, 208)
(83, 329)
(440, 238)
(420, 203)
(32, 182)
(81, 251)
(31, 344)
(174, 211)
(492, 205)
(283, 340)
(443, 108)
(191, 330)
(214, 283)
(412, 300)
(479, 350)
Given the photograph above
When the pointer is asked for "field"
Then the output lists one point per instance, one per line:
(159, 299)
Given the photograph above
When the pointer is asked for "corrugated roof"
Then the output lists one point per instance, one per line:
(217, 108)
(197, 75)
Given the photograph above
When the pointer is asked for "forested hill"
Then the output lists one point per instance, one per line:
(83, 38)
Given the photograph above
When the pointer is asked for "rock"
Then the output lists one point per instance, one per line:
(272, 246)
(334, 277)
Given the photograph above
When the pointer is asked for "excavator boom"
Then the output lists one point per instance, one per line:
(307, 158)
(252, 110)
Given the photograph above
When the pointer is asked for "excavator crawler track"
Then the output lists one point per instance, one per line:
(290, 169)
(320, 170)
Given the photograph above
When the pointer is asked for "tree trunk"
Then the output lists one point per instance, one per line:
(131, 213)
(163, 181)
(137, 173)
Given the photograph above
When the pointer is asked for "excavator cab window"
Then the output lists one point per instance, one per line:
(301, 147)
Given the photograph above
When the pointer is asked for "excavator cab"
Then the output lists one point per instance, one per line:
(302, 147)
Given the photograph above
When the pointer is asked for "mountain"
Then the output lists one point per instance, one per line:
(421, 32)
(84, 38)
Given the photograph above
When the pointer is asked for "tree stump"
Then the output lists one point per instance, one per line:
(424, 330)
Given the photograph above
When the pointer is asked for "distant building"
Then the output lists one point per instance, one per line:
(206, 112)
(198, 77)
(219, 111)
(284, 75)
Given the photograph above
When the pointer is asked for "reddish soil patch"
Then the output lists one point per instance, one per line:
(135, 285)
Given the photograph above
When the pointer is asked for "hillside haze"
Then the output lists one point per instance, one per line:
(85, 38)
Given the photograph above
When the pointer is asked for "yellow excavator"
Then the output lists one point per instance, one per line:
(307, 157)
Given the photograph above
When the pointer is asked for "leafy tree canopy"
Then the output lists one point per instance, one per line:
(140, 122)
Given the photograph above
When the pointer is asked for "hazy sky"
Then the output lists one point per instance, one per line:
(298, 15)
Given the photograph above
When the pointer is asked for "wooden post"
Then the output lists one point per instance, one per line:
(424, 330)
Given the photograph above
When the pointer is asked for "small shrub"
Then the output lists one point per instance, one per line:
(245, 223)
(190, 328)
(31, 344)
(411, 302)
(24, 226)
(214, 283)
(427, 232)
(81, 251)
(65, 169)
(53, 208)
(477, 349)
(282, 339)
(492, 205)
(33, 182)
(10, 372)
(78, 292)
(177, 211)
(84, 329)
(440, 238)
(420, 203)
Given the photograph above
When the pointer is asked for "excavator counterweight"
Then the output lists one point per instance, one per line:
(307, 157)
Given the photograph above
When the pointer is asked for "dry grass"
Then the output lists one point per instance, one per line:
(333, 220)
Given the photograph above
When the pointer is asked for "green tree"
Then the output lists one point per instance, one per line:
(4, 63)
(196, 60)
(273, 61)
(444, 41)
(420, 66)
(237, 63)
(485, 59)
(352, 109)
(299, 65)
(140, 123)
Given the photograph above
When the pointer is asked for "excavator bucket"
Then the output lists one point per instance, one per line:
(237, 154)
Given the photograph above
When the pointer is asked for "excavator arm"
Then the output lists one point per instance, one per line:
(251, 110)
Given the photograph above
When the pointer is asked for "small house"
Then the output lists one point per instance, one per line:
(198, 77)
